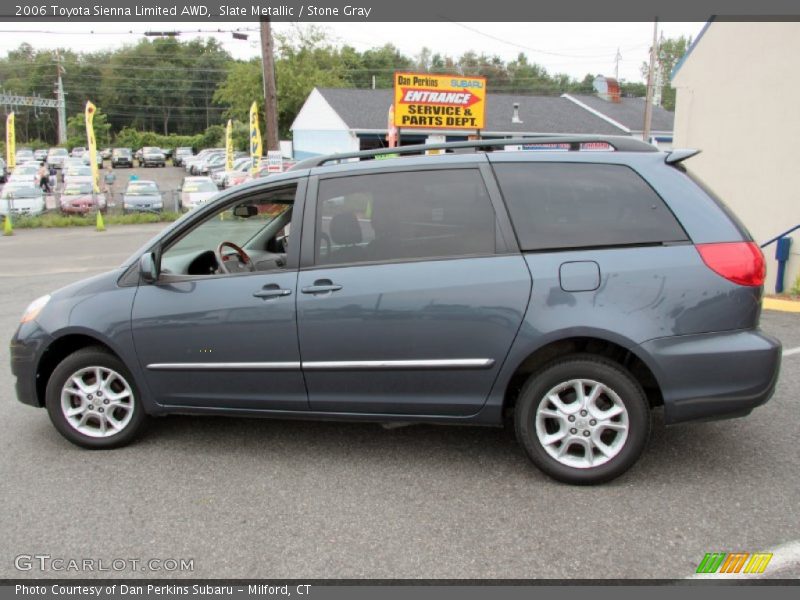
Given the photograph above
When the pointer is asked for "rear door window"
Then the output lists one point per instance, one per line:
(404, 216)
(574, 205)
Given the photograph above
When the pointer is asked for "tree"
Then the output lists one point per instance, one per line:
(669, 52)
(76, 130)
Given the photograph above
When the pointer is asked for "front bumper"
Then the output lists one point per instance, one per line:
(714, 375)
(27, 346)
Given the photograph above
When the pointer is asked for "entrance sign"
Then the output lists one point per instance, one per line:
(425, 101)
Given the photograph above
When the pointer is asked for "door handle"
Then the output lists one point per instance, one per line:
(272, 290)
(321, 286)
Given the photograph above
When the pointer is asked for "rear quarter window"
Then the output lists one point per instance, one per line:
(574, 205)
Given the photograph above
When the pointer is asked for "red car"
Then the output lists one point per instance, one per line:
(76, 198)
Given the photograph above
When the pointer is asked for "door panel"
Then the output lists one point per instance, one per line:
(218, 342)
(423, 337)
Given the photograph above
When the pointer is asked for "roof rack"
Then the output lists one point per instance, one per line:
(618, 142)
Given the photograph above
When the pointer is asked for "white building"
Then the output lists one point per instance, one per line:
(736, 93)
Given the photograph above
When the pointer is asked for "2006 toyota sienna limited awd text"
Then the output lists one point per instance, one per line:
(569, 292)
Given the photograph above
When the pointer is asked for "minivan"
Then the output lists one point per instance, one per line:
(566, 294)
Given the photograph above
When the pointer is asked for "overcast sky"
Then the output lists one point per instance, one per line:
(572, 48)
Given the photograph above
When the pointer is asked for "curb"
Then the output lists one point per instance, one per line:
(781, 305)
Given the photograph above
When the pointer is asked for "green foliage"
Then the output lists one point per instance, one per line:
(795, 291)
(76, 130)
(669, 52)
(58, 220)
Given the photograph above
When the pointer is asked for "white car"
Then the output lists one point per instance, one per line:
(191, 162)
(235, 176)
(21, 198)
(24, 155)
(26, 174)
(197, 191)
(74, 174)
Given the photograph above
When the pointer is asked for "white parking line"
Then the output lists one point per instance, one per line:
(791, 351)
(784, 556)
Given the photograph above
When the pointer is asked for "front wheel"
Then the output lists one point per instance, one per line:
(93, 401)
(583, 420)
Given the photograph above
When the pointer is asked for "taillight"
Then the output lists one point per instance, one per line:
(739, 262)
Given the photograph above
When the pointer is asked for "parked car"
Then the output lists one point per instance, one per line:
(211, 162)
(196, 191)
(152, 156)
(74, 175)
(105, 153)
(572, 293)
(122, 157)
(23, 155)
(235, 176)
(21, 198)
(3, 171)
(27, 174)
(180, 154)
(98, 159)
(78, 198)
(77, 152)
(56, 156)
(138, 155)
(190, 162)
(142, 196)
(214, 162)
(167, 152)
(40, 155)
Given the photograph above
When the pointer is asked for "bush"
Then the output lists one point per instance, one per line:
(213, 137)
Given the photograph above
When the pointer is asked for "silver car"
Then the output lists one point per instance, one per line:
(142, 196)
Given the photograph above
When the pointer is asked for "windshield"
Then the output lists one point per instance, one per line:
(57, 152)
(183, 151)
(141, 188)
(79, 172)
(10, 192)
(199, 186)
(151, 149)
(121, 152)
(77, 190)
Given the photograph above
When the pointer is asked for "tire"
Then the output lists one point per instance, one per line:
(97, 431)
(598, 449)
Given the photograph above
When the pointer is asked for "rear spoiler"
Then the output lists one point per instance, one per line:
(677, 156)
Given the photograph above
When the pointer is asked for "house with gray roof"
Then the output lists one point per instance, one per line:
(343, 120)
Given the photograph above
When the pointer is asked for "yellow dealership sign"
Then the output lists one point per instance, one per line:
(426, 101)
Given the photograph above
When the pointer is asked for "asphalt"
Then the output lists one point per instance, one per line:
(263, 498)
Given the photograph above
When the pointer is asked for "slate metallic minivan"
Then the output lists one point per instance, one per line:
(571, 293)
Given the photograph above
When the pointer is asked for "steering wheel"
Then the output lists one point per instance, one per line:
(244, 263)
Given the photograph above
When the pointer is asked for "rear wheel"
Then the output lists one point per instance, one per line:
(583, 419)
(93, 401)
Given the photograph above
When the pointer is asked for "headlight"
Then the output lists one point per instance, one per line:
(34, 308)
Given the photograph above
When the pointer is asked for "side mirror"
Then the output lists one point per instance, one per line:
(148, 271)
(245, 211)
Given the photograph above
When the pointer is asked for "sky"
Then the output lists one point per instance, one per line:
(572, 48)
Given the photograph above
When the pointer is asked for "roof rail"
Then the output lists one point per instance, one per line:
(618, 142)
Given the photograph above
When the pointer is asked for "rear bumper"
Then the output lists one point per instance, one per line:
(714, 375)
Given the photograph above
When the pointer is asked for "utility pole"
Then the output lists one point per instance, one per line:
(270, 92)
(648, 103)
(657, 94)
(62, 102)
(617, 58)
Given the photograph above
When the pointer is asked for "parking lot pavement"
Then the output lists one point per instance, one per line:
(263, 498)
